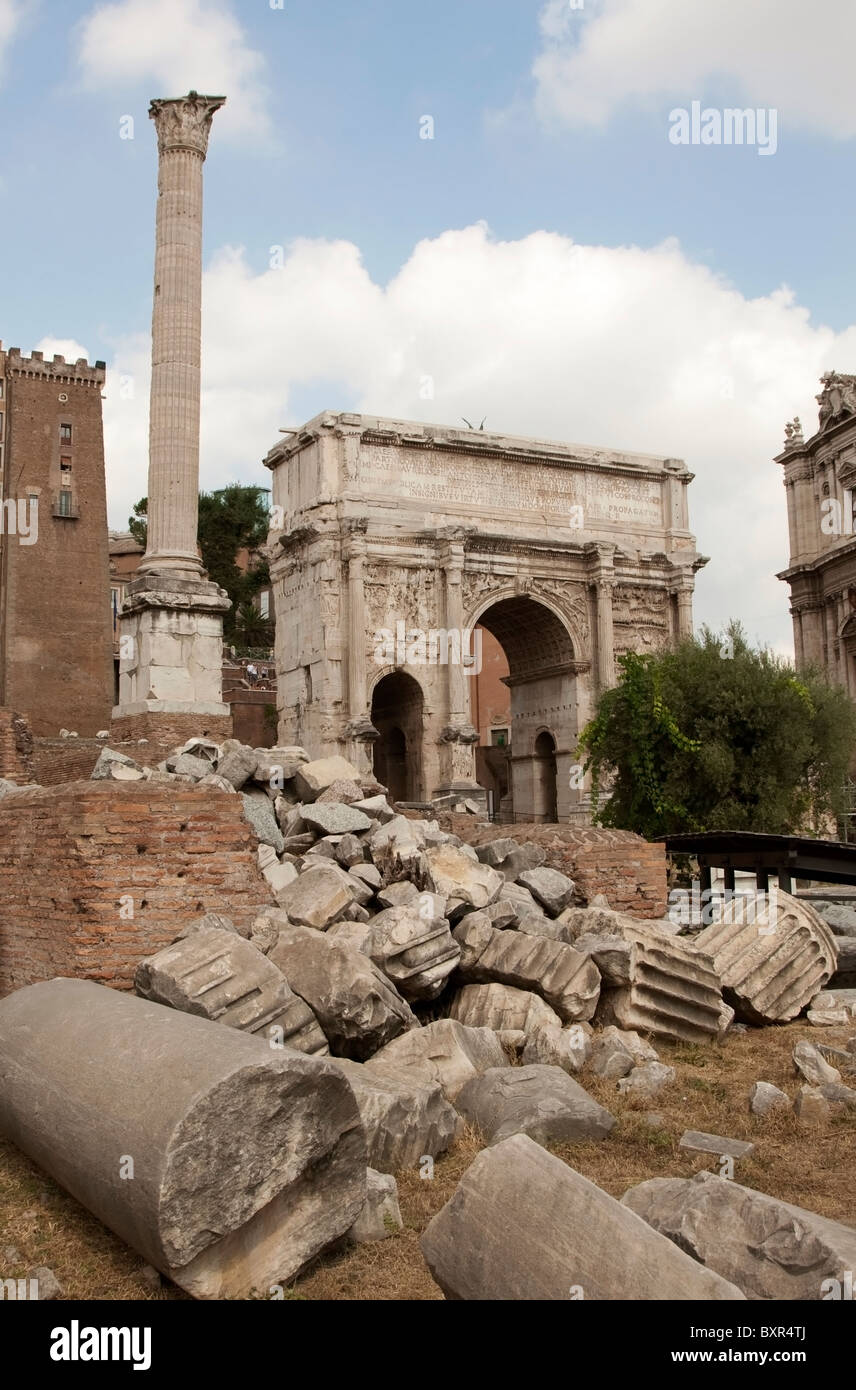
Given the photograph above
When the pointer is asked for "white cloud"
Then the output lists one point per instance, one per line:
(766, 53)
(176, 46)
(616, 346)
(68, 348)
(12, 15)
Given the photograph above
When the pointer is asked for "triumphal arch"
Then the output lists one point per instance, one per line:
(396, 546)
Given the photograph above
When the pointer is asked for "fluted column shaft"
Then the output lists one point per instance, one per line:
(182, 128)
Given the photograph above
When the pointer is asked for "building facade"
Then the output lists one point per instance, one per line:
(820, 485)
(55, 645)
(394, 542)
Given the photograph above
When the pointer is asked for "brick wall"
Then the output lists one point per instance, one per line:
(57, 760)
(163, 733)
(630, 872)
(67, 858)
(249, 719)
(16, 748)
(55, 639)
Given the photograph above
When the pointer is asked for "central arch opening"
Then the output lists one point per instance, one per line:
(397, 709)
(524, 708)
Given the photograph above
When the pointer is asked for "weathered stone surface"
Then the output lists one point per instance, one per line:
(258, 809)
(358, 1008)
(543, 1102)
(810, 1063)
(845, 971)
(317, 897)
(811, 1106)
(511, 858)
(614, 1052)
(315, 777)
(350, 851)
(220, 976)
(444, 1052)
(417, 953)
(381, 1215)
(213, 779)
(770, 970)
(554, 891)
(698, 1143)
(448, 871)
(188, 765)
(568, 981)
(278, 875)
(108, 763)
(348, 792)
(502, 1008)
(47, 1285)
(398, 894)
(828, 1018)
(530, 916)
(334, 818)
(369, 875)
(568, 1048)
(769, 1249)
(674, 990)
(839, 917)
(377, 807)
(502, 914)
(209, 920)
(248, 1161)
(833, 1000)
(647, 1080)
(840, 1058)
(838, 1097)
(237, 762)
(405, 1117)
(524, 1227)
(764, 1098)
(612, 956)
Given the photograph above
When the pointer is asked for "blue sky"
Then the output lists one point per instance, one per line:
(550, 257)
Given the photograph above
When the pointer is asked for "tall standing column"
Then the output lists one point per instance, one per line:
(459, 736)
(360, 731)
(171, 624)
(182, 128)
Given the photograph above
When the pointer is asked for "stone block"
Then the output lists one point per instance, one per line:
(417, 953)
(358, 1008)
(445, 1052)
(220, 976)
(405, 1118)
(248, 1162)
(523, 1226)
(696, 1142)
(541, 1101)
(334, 818)
(567, 980)
(673, 993)
(315, 777)
(381, 1215)
(317, 897)
(771, 961)
(554, 891)
(568, 1048)
(646, 1081)
(447, 871)
(764, 1098)
(769, 1249)
(502, 1008)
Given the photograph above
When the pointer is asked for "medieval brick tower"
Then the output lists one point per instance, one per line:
(55, 640)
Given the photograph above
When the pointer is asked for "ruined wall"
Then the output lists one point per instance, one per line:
(68, 857)
(630, 872)
(57, 760)
(16, 748)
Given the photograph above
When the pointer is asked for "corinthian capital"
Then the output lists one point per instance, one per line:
(183, 123)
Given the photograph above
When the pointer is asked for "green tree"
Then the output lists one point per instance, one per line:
(232, 519)
(718, 736)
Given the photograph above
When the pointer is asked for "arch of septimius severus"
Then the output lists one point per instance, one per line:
(392, 540)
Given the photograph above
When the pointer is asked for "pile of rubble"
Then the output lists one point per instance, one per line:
(427, 985)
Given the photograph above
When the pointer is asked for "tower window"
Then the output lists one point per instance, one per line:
(65, 434)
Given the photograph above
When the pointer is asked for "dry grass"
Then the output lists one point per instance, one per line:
(809, 1167)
